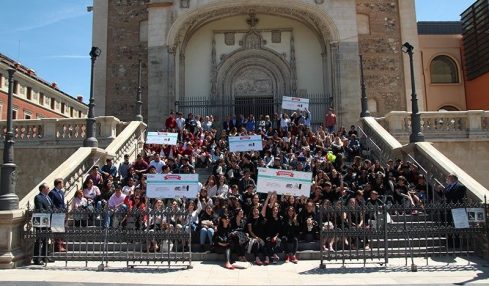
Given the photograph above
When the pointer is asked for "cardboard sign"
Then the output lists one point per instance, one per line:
(295, 103)
(245, 143)
(162, 138)
(284, 182)
(163, 186)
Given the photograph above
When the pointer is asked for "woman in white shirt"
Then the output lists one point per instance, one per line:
(222, 187)
(90, 191)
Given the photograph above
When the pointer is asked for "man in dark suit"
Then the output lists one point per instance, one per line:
(455, 191)
(57, 197)
(42, 204)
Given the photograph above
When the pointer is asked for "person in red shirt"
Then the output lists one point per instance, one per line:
(330, 121)
(171, 122)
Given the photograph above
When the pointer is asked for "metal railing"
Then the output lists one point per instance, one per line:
(376, 233)
(137, 237)
(221, 108)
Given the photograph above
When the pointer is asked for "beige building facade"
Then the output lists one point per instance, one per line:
(232, 50)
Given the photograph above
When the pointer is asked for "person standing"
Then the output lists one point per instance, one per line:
(57, 197)
(330, 121)
(42, 204)
(171, 123)
(455, 191)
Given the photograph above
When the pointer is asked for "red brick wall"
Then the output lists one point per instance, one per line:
(22, 105)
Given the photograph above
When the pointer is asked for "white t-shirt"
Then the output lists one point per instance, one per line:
(158, 165)
(180, 123)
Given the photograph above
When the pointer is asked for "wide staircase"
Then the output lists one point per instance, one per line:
(408, 235)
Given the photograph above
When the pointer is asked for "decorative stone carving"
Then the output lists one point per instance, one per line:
(184, 3)
(253, 82)
(323, 26)
(276, 37)
(213, 70)
(229, 38)
(293, 68)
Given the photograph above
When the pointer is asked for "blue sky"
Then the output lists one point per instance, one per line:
(53, 37)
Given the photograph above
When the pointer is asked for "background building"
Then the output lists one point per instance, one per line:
(34, 97)
(252, 51)
(476, 54)
(443, 71)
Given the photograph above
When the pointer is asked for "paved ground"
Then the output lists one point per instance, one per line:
(459, 272)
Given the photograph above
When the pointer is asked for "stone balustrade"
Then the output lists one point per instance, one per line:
(384, 146)
(74, 169)
(440, 125)
(62, 131)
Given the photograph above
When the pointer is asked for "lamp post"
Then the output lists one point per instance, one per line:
(139, 103)
(8, 199)
(91, 141)
(416, 134)
(365, 112)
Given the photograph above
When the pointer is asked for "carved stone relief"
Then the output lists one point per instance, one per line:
(252, 82)
(229, 38)
(276, 37)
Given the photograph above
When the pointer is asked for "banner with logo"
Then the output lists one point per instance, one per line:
(164, 186)
(295, 103)
(245, 143)
(284, 182)
(162, 138)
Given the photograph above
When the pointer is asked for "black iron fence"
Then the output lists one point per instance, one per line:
(137, 237)
(224, 107)
(375, 233)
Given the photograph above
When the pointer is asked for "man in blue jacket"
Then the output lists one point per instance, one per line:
(57, 197)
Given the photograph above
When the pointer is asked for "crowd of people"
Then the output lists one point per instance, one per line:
(229, 215)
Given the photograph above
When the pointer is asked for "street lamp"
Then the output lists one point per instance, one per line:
(416, 134)
(8, 199)
(91, 141)
(365, 112)
(139, 103)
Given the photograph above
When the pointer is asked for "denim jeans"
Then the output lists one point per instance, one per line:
(206, 233)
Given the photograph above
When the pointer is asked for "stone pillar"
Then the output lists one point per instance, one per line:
(348, 79)
(160, 101)
(13, 249)
(99, 39)
(409, 33)
(474, 123)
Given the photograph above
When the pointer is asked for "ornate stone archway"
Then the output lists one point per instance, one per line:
(253, 69)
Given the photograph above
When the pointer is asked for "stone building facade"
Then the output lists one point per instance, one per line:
(264, 49)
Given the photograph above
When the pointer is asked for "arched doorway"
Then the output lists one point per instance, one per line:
(253, 79)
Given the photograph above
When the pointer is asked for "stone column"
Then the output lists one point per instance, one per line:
(13, 250)
(161, 96)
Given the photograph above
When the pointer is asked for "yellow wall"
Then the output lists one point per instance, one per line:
(198, 53)
(439, 95)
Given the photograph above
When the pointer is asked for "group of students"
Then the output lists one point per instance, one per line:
(229, 215)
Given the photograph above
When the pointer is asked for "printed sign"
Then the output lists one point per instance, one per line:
(162, 138)
(476, 215)
(58, 222)
(41, 220)
(284, 182)
(245, 143)
(163, 186)
(460, 218)
(295, 103)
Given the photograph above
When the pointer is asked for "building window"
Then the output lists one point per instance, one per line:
(29, 93)
(16, 87)
(41, 98)
(79, 114)
(53, 102)
(444, 70)
(27, 114)
(14, 113)
(448, 108)
(63, 108)
(71, 111)
(1, 80)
